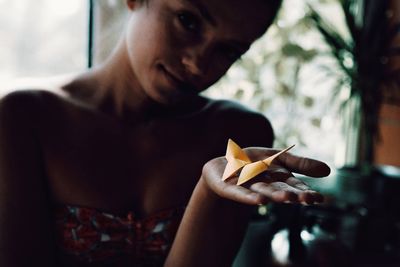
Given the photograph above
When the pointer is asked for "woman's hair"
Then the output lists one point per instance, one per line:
(112, 17)
(275, 6)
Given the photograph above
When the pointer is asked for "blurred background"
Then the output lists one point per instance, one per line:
(325, 74)
(41, 39)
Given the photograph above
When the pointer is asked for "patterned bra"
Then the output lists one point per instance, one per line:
(90, 237)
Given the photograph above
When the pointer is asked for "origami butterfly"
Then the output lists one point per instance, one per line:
(237, 159)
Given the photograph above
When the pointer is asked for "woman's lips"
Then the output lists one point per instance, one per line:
(176, 81)
(171, 76)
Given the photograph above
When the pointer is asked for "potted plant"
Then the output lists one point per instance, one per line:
(365, 79)
(361, 59)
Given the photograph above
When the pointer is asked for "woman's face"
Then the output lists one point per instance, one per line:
(180, 47)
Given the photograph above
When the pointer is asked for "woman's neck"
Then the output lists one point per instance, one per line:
(113, 88)
(119, 85)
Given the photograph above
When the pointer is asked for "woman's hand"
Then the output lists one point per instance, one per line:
(277, 184)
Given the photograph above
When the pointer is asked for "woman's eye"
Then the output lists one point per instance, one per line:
(189, 21)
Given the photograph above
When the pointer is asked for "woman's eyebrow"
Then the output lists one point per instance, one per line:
(202, 10)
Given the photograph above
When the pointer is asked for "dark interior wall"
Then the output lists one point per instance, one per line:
(387, 149)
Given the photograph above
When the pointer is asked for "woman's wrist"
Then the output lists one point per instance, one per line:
(204, 189)
(205, 195)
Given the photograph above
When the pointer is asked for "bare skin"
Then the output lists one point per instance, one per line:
(126, 136)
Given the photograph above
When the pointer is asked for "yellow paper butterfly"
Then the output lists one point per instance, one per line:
(238, 159)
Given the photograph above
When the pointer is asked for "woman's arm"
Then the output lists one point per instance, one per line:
(211, 230)
(25, 228)
(216, 218)
(213, 227)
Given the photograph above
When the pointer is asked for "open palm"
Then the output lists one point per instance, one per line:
(277, 184)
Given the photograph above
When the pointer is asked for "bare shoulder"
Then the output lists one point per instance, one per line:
(28, 102)
(35, 109)
(242, 124)
(23, 178)
(20, 104)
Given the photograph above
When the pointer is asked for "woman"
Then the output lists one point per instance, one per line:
(101, 173)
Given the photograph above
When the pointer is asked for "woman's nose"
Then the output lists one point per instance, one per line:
(196, 62)
(192, 67)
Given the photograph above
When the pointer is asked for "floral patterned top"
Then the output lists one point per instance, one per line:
(90, 237)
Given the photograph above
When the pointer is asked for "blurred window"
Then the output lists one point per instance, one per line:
(41, 39)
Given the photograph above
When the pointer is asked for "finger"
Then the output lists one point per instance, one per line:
(241, 194)
(307, 195)
(277, 191)
(296, 183)
(306, 166)
(311, 197)
(282, 192)
(278, 173)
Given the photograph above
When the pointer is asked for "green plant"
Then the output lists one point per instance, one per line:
(362, 58)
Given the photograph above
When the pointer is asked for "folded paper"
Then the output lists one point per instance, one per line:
(237, 159)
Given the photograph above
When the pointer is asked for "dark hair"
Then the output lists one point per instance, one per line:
(275, 6)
